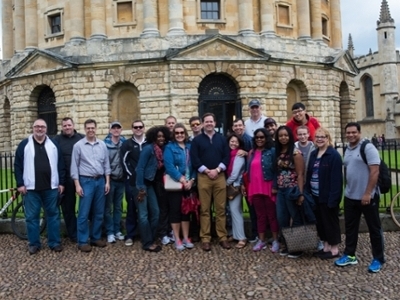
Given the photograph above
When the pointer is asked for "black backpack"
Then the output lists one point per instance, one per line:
(384, 179)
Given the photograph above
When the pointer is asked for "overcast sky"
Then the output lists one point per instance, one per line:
(358, 18)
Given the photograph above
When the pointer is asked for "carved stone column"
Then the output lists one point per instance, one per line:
(7, 24)
(316, 20)
(19, 25)
(175, 11)
(31, 24)
(77, 17)
(246, 26)
(336, 25)
(267, 18)
(303, 14)
(150, 20)
(98, 15)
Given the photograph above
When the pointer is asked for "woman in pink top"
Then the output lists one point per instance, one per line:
(261, 178)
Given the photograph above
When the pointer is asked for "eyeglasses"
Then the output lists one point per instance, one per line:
(302, 134)
(39, 127)
(320, 137)
(194, 124)
(254, 107)
(259, 137)
(137, 127)
(179, 133)
(296, 112)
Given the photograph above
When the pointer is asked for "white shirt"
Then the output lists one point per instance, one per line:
(252, 126)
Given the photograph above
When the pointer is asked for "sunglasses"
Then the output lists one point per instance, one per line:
(194, 124)
(179, 133)
(138, 127)
(259, 137)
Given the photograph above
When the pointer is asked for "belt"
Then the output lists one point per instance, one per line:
(92, 177)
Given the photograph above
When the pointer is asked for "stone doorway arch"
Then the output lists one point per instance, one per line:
(218, 94)
(347, 113)
(46, 109)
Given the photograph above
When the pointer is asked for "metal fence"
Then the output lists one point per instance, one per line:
(389, 152)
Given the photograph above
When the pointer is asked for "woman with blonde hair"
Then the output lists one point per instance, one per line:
(325, 183)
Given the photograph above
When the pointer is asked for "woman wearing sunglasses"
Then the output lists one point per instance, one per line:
(178, 167)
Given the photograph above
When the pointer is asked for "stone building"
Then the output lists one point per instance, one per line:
(148, 59)
(377, 86)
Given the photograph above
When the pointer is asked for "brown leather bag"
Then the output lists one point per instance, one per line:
(232, 192)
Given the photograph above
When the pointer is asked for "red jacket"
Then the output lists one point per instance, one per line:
(312, 124)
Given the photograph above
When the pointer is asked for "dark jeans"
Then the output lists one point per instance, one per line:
(163, 204)
(327, 222)
(68, 208)
(131, 193)
(352, 214)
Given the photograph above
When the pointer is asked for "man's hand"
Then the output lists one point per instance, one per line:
(366, 199)
(141, 195)
(22, 190)
(212, 174)
(61, 189)
(107, 188)
(79, 190)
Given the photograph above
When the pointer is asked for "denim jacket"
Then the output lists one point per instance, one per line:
(175, 161)
(267, 164)
(147, 167)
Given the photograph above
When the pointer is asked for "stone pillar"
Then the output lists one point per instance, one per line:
(246, 26)
(98, 15)
(19, 25)
(150, 20)
(303, 15)
(175, 11)
(336, 25)
(316, 20)
(267, 18)
(7, 24)
(31, 24)
(77, 17)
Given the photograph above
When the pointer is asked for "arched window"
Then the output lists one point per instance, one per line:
(368, 96)
(47, 109)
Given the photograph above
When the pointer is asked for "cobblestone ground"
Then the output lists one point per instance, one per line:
(120, 272)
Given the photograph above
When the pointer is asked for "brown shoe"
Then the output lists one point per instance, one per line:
(206, 246)
(85, 248)
(225, 245)
(99, 243)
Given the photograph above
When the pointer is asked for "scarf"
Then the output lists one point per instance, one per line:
(159, 156)
(231, 160)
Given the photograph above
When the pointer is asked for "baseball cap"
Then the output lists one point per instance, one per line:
(115, 123)
(269, 121)
(254, 102)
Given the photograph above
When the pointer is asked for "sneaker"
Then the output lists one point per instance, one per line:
(187, 243)
(179, 246)
(375, 266)
(320, 245)
(165, 240)
(295, 254)
(119, 236)
(284, 252)
(111, 239)
(128, 242)
(346, 260)
(259, 246)
(275, 247)
(254, 240)
(171, 237)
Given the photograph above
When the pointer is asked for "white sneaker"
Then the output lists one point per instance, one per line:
(320, 245)
(165, 240)
(119, 236)
(111, 239)
(128, 242)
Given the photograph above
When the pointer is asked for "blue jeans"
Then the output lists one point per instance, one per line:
(287, 209)
(113, 209)
(131, 193)
(148, 214)
(33, 201)
(92, 201)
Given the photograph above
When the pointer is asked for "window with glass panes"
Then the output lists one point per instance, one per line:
(55, 24)
(210, 10)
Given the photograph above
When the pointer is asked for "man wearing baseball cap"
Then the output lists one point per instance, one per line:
(271, 126)
(256, 118)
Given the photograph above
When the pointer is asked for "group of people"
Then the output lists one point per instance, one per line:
(288, 175)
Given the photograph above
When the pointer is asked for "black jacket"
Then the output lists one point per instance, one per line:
(130, 153)
(66, 144)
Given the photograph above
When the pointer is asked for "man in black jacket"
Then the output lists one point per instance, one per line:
(130, 152)
(66, 141)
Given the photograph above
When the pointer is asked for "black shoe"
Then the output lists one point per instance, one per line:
(33, 249)
(295, 254)
(57, 248)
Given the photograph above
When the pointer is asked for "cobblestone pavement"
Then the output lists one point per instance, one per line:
(120, 272)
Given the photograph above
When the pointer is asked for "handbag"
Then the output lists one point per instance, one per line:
(232, 192)
(171, 185)
(190, 203)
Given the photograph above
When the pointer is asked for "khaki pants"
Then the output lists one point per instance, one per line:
(216, 190)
